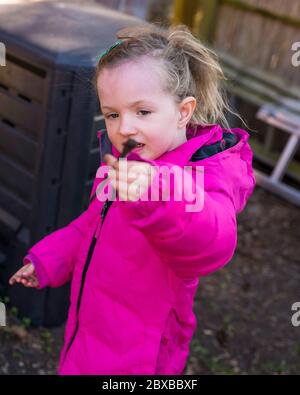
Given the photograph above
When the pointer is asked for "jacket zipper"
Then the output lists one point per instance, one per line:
(104, 211)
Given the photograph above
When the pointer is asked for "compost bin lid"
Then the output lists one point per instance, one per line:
(61, 32)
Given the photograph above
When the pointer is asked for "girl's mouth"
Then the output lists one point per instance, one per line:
(138, 147)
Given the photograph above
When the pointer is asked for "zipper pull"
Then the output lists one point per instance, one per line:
(104, 209)
(102, 214)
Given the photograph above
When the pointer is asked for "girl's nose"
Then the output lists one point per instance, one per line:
(126, 128)
(127, 132)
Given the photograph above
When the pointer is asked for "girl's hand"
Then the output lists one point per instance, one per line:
(130, 184)
(26, 276)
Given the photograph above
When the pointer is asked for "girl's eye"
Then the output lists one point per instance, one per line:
(145, 112)
(111, 116)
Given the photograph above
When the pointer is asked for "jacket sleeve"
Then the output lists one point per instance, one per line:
(193, 243)
(53, 256)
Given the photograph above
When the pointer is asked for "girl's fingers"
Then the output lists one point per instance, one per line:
(12, 280)
(33, 280)
(110, 160)
(122, 188)
(122, 176)
(28, 269)
(132, 182)
(24, 276)
(29, 283)
(27, 272)
(15, 279)
(18, 279)
(26, 282)
(131, 192)
(118, 185)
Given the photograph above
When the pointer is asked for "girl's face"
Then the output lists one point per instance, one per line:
(135, 106)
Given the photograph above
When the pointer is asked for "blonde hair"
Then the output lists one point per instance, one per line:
(189, 68)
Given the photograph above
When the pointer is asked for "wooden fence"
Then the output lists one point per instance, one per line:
(260, 33)
(253, 39)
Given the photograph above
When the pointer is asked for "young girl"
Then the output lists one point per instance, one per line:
(135, 263)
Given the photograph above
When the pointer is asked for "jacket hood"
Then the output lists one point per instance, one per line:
(229, 170)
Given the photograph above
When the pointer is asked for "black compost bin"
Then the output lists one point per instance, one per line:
(49, 116)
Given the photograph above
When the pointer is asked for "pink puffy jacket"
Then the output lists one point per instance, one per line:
(135, 266)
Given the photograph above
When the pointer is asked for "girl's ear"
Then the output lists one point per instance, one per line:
(186, 110)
